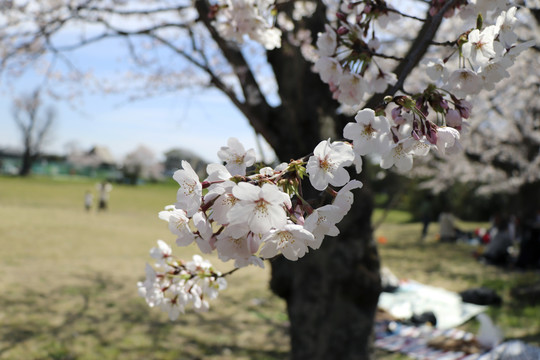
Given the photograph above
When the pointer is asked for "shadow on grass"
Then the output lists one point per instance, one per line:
(104, 318)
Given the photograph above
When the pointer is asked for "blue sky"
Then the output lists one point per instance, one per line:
(198, 120)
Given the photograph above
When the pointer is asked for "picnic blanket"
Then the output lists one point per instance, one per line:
(413, 298)
(417, 342)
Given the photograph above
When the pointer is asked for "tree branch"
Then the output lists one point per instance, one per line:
(416, 51)
(255, 113)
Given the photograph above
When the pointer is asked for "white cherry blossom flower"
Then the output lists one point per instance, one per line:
(261, 208)
(352, 88)
(150, 289)
(345, 198)
(436, 69)
(366, 131)
(446, 138)
(326, 165)
(292, 241)
(399, 155)
(479, 47)
(321, 222)
(380, 79)
(233, 243)
(205, 232)
(329, 70)
(178, 225)
(495, 71)
(239, 18)
(463, 82)
(505, 23)
(327, 42)
(161, 252)
(217, 172)
(224, 201)
(237, 159)
(189, 194)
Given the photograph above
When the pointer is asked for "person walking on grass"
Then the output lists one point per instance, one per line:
(104, 189)
(88, 199)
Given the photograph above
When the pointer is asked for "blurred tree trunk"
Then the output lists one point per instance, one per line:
(27, 161)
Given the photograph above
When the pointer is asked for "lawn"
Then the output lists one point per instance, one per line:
(68, 281)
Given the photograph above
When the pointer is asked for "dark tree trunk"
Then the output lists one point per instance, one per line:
(529, 200)
(332, 292)
(26, 166)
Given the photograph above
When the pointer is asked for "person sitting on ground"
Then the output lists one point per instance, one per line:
(447, 230)
(496, 252)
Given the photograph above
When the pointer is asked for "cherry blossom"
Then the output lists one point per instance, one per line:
(344, 198)
(189, 194)
(161, 252)
(261, 208)
(247, 217)
(446, 138)
(399, 155)
(236, 157)
(327, 42)
(178, 224)
(323, 222)
(436, 69)
(367, 130)
(329, 69)
(292, 241)
(352, 88)
(479, 47)
(237, 19)
(326, 166)
(464, 82)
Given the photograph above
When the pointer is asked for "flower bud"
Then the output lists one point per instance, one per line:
(396, 112)
(341, 16)
(342, 30)
(453, 118)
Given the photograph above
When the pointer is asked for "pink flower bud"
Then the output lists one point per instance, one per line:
(341, 16)
(444, 104)
(453, 118)
(396, 112)
(342, 30)
(464, 107)
(431, 133)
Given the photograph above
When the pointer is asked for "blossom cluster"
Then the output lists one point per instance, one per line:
(247, 218)
(173, 284)
(346, 59)
(434, 118)
(237, 19)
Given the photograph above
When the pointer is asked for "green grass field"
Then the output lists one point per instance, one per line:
(68, 281)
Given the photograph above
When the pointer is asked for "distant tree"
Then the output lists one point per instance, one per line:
(35, 124)
(174, 157)
(140, 163)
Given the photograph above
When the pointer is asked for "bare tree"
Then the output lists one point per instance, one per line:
(35, 124)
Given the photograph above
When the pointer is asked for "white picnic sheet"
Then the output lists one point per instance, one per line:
(413, 298)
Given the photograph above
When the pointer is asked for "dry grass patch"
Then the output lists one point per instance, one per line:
(68, 283)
